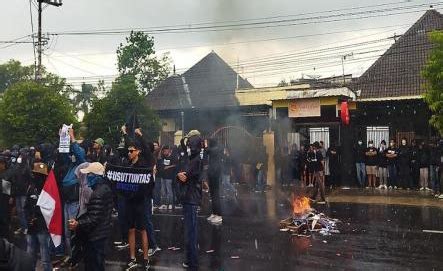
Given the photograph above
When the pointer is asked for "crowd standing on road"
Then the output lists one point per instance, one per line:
(181, 175)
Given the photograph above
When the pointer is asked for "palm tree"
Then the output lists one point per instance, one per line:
(84, 97)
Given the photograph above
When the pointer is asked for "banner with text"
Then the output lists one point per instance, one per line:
(304, 108)
(127, 179)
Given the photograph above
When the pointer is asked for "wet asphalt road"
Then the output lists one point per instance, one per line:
(375, 236)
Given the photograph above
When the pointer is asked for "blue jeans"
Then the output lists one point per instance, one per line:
(70, 212)
(39, 242)
(361, 173)
(166, 192)
(260, 186)
(20, 202)
(149, 225)
(433, 176)
(227, 186)
(191, 235)
(157, 191)
(392, 175)
(95, 255)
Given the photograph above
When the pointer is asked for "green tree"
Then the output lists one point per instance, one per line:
(32, 113)
(83, 98)
(120, 104)
(12, 72)
(433, 73)
(137, 58)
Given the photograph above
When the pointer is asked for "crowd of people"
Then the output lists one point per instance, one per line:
(415, 165)
(90, 200)
(180, 174)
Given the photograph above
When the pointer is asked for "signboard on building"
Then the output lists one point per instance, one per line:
(304, 108)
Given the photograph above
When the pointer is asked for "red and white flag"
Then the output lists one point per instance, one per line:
(51, 207)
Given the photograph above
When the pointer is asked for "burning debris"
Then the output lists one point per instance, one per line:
(305, 220)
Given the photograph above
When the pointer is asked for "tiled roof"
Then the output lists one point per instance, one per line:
(208, 84)
(398, 71)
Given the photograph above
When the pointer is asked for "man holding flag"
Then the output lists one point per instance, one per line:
(94, 226)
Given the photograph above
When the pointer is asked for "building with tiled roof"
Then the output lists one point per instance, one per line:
(397, 73)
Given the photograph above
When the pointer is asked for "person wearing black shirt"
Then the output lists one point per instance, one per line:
(189, 178)
(317, 168)
(303, 165)
(404, 165)
(382, 165)
(226, 174)
(38, 237)
(139, 156)
(310, 156)
(214, 179)
(434, 162)
(334, 165)
(166, 167)
(371, 163)
(391, 157)
(415, 167)
(360, 162)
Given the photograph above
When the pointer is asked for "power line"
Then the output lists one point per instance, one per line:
(262, 24)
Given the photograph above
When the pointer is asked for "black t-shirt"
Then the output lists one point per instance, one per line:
(371, 160)
(404, 157)
(315, 160)
(391, 150)
(167, 173)
(382, 160)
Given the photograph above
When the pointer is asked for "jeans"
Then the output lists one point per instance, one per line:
(260, 185)
(122, 222)
(95, 255)
(39, 242)
(227, 186)
(191, 235)
(157, 192)
(166, 191)
(361, 173)
(392, 173)
(70, 212)
(433, 176)
(149, 225)
(20, 202)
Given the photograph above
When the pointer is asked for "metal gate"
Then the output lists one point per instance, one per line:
(244, 149)
(377, 134)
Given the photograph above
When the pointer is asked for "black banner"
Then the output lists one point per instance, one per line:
(129, 179)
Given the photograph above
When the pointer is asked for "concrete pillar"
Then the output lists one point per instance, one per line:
(268, 142)
(177, 137)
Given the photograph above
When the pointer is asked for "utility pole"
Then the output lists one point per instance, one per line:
(343, 66)
(56, 3)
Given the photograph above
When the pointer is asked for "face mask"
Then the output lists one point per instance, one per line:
(91, 180)
(403, 142)
(13, 160)
(19, 160)
(371, 145)
(391, 144)
(359, 143)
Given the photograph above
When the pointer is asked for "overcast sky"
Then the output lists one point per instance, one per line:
(253, 49)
